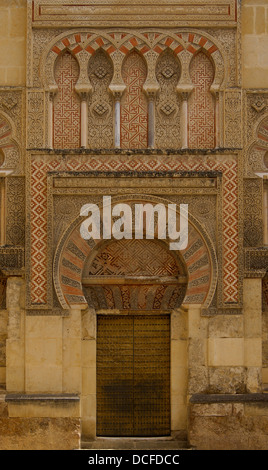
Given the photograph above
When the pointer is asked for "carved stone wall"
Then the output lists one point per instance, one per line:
(168, 106)
(100, 107)
(134, 113)
(143, 102)
(15, 211)
(66, 122)
(201, 104)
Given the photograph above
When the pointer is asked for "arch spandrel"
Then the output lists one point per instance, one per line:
(72, 253)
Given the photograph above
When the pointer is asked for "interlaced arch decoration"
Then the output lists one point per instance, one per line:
(73, 251)
(83, 44)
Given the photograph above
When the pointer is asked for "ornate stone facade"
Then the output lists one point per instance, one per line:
(147, 107)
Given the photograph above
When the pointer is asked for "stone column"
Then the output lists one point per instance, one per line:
(184, 121)
(71, 360)
(88, 396)
(117, 91)
(83, 91)
(265, 212)
(151, 120)
(2, 211)
(50, 120)
(151, 90)
(217, 120)
(184, 89)
(178, 370)
(15, 379)
(253, 333)
(84, 120)
(117, 120)
(198, 380)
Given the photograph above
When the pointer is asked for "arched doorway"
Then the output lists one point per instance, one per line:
(97, 278)
(133, 285)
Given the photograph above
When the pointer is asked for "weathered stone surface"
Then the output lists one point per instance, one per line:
(236, 432)
(39, 433)
(89, 324)
(2, 353)
(265, 353)
(3, 323)
(254, 379)
(3, 407)
(196, 351)
(227, 380)
(213, 409)
(198, 379)
(179, 325)
(226, 326)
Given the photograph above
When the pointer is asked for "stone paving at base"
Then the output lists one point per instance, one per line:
(134, 444)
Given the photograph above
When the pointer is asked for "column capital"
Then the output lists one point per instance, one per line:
(117, 91)
(83, 91)
(184, 90)
(151, 90)
(52, 91)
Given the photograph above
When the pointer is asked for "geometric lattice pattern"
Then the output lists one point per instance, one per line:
(121, 264)
(66, 103)
(133, 258)
(40, 168)
(134, 114)
(201, 104)
(148, 258)
(230, 234)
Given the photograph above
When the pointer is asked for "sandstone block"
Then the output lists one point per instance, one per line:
(45, 379)
(88, 353)
(226, 326)
(178, 417)
(252, 287)
(39, 433)
(259, 20)
(43, 327)
(227, 380)
(71, 379)
(88, 380)
(213, 409)
(198, 380)
(197, 352)
(178, 352)
(225, 352)
(253, 352)
(253, 379)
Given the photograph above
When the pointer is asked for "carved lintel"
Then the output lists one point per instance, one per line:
(254, 274)
(212, 311)
(57, 312)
